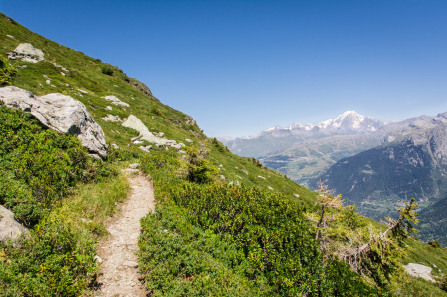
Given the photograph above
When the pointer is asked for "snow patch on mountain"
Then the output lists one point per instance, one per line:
(348, 121)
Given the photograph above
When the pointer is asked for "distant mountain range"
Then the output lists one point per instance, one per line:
(412, 164)
(373, 164)
(303, 152)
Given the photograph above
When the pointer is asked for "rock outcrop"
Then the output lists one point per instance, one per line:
(419, 270)
(61, 113)
(9, 228)
(135, 123)
(114, 100)
(27, 52)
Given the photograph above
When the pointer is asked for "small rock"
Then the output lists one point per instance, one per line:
(115, 146)
(48, 81)
(83, 91)
(134, 165)
(9, 228)
(270, 187)
(138, 142)
(111, 118)
(261, 177)
(130, 263)
(188, 140)
(296, 195)
(182, 152)
(59, 66)
(145, 148)
(114, 100)
(10, 36)
(98, 259)
(161, 134)
(245, 171)
(222, 176)
(109, 107)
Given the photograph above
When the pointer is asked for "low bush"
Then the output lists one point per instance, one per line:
(258, 242)
(54, 261)
(107, 70)
(7, 71)
(40, 166)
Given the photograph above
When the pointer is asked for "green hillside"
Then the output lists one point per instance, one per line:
(224, 226)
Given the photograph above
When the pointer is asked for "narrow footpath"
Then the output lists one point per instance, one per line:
(119, 275)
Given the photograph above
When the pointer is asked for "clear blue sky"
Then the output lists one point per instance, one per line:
(239, 67)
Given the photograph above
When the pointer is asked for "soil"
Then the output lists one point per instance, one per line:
(119, 275)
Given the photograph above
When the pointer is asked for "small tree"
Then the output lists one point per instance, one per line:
(198, 169)
(326, 200)
(379, 257)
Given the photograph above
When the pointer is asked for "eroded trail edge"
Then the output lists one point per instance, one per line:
(119, 275)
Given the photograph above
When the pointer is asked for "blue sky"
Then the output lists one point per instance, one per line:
(239, 67)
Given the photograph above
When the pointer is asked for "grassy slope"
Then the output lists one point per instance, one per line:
(85, 73)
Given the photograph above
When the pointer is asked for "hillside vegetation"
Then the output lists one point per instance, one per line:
(224, 224)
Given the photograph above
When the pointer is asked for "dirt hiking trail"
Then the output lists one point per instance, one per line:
(119, 275)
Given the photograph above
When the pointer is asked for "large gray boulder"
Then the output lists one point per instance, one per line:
(61, 113)
(136, 124)
(9, 228)
(419, 270)
(27, 53)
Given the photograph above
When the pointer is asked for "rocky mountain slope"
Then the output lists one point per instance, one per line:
(223, 225)
(411, 164)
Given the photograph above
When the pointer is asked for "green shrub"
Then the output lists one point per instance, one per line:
(434, 243)
(217, 144)
(218, 240)
(442, 282)
(107, 70)
(198, 168)
(39, 166)
(53, 261)
(7, 71)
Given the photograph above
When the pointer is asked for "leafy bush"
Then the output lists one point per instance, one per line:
(7, 71)
(107, 70)
(257, 242)
(54, 261)
(198, 169)
(156, 111)
(39, 166)
(434, 243)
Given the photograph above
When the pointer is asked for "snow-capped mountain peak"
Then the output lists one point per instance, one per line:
(348, 122)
